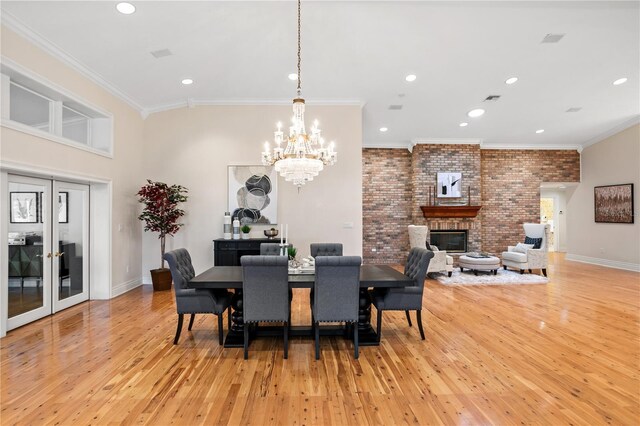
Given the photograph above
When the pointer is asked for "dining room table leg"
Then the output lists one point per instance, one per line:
(366, 334)
(235, 336)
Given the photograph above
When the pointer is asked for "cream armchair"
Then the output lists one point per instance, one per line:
(441, 261)
(533, 258)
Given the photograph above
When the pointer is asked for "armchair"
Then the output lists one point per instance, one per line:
(533, 258)
(441, 261)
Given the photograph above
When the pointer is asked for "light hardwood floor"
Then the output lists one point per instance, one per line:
(562, 353)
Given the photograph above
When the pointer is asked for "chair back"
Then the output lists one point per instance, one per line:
(181, 268)
(337, 288)
(326, 249)
(537, 230)
(269, 249)
(417, 265)
(265, 288)
(418, 236)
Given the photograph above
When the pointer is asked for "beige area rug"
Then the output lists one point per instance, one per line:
(485, 278)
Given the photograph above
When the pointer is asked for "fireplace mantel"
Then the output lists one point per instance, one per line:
(450, 211)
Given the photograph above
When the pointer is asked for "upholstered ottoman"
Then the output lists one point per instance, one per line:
(490, 264)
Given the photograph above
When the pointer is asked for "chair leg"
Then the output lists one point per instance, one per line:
(521, 271)
(419, 314)
(286, 340)
(316, 327)
(379, 325)
(544, 272)
(450, 273)
(229, 318)
(180, 319)
(530, 271)
(246, 341)
(408, 318)
(505, 267)
(220, 330)
(355, 341)
(193, 316)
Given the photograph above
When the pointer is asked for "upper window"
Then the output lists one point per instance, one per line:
(33, 105)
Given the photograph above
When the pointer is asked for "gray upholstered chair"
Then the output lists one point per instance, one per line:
(191, 300)
(265, 290)
(270, 249)
(407, 298)
(336, 294)
(326, 249)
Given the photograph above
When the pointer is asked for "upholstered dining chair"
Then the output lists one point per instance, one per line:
(265, 289)
(336, 294)
(269, 249)
(407, 298)
(326, 249)
(194, 300)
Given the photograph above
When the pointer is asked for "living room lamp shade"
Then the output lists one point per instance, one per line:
(304, 154)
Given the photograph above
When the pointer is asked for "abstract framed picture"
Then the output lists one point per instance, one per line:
(613, 203)
(253, 194)
(449, 185)
(24, 207)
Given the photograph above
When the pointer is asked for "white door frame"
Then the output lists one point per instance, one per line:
(100, 240)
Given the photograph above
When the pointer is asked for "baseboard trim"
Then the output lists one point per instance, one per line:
(635, 267)
(125, 287)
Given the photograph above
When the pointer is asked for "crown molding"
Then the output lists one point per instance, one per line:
(192, 103)
(391, 145)
(15, 25)
(617, 129)
(445, 141)
(486, 145)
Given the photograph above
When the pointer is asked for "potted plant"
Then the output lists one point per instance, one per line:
(292, 251)
(245, 231)
(161, 214)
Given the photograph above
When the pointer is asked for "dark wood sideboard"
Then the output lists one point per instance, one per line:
(229, 252)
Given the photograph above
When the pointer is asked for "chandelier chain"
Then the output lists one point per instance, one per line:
(299, 52)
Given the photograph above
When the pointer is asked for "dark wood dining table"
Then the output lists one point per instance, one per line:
(371, 276)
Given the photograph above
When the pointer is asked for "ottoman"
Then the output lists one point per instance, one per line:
(490, 264)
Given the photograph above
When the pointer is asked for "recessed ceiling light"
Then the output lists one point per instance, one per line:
(475, 112)
(511, 80)
(620, 81)
(540, 131)
(125, 8)
(383, 129)
(463, 124)
(187, 81)
(293, 76)
(411, 77)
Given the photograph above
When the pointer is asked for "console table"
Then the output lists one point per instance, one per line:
(229, 252)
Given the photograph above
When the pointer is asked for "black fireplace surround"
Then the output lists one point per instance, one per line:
(451, 240)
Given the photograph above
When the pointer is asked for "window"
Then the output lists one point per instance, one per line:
(33, 105)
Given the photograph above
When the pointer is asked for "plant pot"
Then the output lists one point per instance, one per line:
(161, 279)
(245, 236)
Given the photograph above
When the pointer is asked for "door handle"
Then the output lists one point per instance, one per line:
(49, 256)
(58, 254)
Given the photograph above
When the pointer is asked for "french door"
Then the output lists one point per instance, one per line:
(48, 251)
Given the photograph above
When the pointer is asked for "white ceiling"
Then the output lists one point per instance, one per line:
(360, 52)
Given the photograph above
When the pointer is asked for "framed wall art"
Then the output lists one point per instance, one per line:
(24, 207)
(449, 185)
(253, 194)
(613, 203)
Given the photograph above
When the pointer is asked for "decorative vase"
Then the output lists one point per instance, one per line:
(245, 235)
(161, 279)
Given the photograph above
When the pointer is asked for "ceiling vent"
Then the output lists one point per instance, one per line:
(552, 38)
(395, 107)
(161, 53)
(574, 109)
(492, 98)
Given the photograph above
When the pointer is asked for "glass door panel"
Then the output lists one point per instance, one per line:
(29, 256)
(71, 244)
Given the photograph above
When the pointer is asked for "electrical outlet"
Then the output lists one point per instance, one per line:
(120, 227)
(347, 225)
(127, 269)
(601, 249)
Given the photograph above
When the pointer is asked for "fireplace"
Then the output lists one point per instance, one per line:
(451, 240)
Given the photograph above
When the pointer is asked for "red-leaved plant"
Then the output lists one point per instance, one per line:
(161, 212)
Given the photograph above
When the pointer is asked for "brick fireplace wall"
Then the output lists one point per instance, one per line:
(505, 182)
(386, 204)
(511, 190)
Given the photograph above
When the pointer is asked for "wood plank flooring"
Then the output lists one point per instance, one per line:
(562, 353)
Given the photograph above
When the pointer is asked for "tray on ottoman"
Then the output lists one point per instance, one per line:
(489, 263)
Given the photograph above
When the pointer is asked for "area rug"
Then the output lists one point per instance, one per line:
(484, 278)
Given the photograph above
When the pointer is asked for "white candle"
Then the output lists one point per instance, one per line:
(286, 233)
(280, 233)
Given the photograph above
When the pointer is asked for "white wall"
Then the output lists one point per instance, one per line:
(193, 147)
(615, 160)
(123, 170)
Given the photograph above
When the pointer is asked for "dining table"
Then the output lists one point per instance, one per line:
(230, 278)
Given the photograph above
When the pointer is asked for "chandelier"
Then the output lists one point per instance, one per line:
(304, 155)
